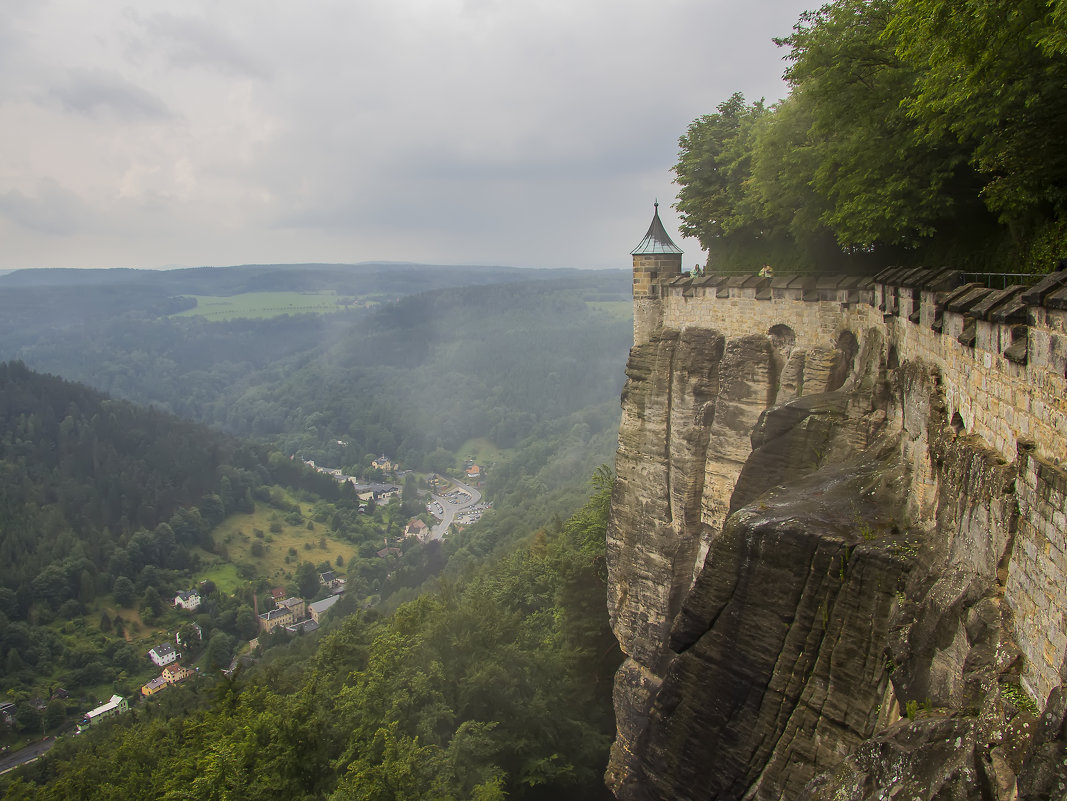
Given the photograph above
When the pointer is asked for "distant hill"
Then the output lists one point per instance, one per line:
(438, 365)
(76, 463)
(43, 300)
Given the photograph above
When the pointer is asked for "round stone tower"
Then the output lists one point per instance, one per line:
(656, 260)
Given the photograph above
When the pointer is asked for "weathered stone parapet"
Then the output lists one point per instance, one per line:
(993, 346)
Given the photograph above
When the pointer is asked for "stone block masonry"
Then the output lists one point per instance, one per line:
(1000, 357)
(1037, 578)
(1003, 395)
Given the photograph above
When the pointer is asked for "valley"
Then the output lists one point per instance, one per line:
(441, 379)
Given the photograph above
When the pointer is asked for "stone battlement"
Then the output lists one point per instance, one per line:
(1001, 358)
(1002, 353)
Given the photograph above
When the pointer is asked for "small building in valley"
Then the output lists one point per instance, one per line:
(164, 654)
(116, 706)
(172, 674)
(418, 529)
(319, 608)
(303, 627)
(268, 621)
(384, 464)
(331, 580)
(294, 605)
(189, 601)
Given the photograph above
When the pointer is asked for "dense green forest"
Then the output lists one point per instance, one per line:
(408, 378)
(533, 367)
(916, 132)
(111, 508)
(494, 686)
(104, 507)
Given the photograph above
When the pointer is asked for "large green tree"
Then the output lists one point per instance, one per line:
(992, 74)
(881, 180)
(916, 132)
(713, 171)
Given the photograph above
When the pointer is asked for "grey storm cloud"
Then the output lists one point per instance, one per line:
(193, 42)
(52, 210)
(433, 130)
(96, 91)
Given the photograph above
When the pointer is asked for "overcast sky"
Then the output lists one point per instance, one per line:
(514, 132)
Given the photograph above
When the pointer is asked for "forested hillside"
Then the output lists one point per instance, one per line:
(532, 369)
(428, 371)
(110, 508)
(916, 132)
(498, 686)
(106, 507)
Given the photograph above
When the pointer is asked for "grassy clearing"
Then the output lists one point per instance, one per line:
(222, 574)
(133, 625)
(270, 544)
(481, 450)
(268, 304)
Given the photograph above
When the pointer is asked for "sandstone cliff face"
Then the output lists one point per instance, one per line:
(806, 571)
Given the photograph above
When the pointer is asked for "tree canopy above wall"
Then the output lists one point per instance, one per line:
(916, 132)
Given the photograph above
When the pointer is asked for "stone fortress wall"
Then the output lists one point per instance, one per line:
(1002, 360)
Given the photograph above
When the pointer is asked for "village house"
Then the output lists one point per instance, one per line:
(172, 674)
(295, 605)
(154, 686)
(116, 706)
(189, 601)
(383, 464)
(331, 580)
(474, 472)
(289, 611)
(269, 621)
(417, 529)
(319, 608)
(164, 654)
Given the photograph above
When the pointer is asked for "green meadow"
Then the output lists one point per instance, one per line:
(268, 304)
(269, 544)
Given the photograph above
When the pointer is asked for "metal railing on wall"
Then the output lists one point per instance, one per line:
(990, 280)
(1002, 280)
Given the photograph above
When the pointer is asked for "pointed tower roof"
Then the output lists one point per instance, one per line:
(656, 240)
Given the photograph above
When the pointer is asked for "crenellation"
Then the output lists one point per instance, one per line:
(971, 351)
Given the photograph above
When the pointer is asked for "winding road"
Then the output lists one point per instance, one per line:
(450, 508)
(14, 759)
